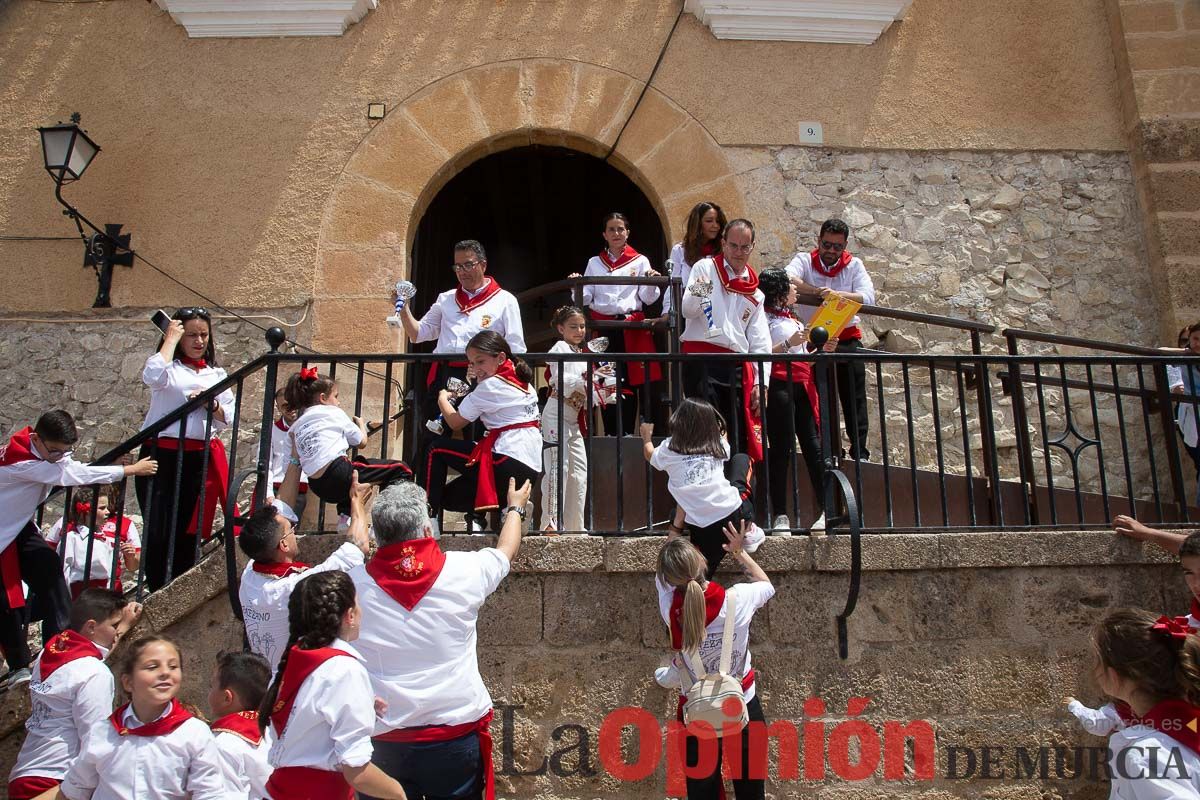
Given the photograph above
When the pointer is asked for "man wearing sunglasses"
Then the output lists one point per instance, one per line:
(477, 304)
(830, 269)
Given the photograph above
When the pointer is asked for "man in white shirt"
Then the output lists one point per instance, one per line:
(738, 324)
(831, 269)
(478, 303)
(35, 460)
(420, 607)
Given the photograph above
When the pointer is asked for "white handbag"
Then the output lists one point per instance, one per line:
(708, 698)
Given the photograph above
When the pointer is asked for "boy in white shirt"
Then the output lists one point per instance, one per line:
(71, 691)
(238, 686)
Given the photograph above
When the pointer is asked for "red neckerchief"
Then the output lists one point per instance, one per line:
(18, 449)
(1177, 719)
(195, 363)
(783, 313)
(746, 285)
(714, 599)
(243, 724)
(829, 272)
(176, 716)
(407, 570)
(508, 373)
(300, 664)
(1125, 712)
(64, 648)
(283, 426)
(109, 528)
(467, 303)
(278, 569)
(627, 255)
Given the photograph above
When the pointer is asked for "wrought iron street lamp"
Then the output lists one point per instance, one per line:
(67, 151)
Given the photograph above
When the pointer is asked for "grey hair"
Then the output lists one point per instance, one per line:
(400, 513)
(472, 246)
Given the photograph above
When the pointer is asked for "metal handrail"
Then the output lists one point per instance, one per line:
(914, 316)
(1018, 334)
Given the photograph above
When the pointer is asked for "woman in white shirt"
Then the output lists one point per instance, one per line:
(694, 609)
(702, 239)
(184, 366)
(505, 402)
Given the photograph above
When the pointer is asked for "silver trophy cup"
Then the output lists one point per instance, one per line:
(599, 345)
(458, 389)
(703, 290)
(405, 290)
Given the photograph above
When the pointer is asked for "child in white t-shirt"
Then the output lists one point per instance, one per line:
(694, 457)
(322, 433)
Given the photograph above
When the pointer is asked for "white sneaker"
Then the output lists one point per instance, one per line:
(818, 524)
(782, 526)
(754, 537)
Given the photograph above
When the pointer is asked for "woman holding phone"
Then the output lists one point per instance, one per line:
(184, 366)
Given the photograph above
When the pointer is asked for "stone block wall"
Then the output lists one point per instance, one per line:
(978, 636)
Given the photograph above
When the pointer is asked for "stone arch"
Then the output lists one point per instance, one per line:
(379, 198)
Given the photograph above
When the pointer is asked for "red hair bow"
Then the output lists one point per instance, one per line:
(82, 508)
(1175, 627)
(308, 374)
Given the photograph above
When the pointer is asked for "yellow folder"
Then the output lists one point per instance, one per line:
(834, 314)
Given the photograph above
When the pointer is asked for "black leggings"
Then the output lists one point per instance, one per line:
(334, 484)
(42, 571)
(157, 523)
(744, 788)
(790, 417)
(710, 540)
(459, 494)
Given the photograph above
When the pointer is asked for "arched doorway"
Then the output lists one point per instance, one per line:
(538, 211)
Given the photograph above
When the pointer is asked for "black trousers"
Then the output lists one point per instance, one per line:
(450, 770)
(430, 410)
(721, 385)
(790, 417)
(744, 788)
(852, 394)
(42, 571)
(710, 540)
(459, 494)
(334, 484)
(625, 401)
(157, 520)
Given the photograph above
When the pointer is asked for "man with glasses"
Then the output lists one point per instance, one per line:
(830, 269)
(457, 315)
(723, 313)
(34, 461)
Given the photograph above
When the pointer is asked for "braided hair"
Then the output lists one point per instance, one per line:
(1162, 664)
(315, 612)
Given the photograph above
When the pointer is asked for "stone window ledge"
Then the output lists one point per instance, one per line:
(250, 18)
(833, 21)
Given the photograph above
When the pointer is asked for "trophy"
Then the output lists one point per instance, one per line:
(404, 292)
(703, 290)
(458, 389)
(599, 345)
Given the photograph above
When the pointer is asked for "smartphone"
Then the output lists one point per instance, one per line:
(161, 320)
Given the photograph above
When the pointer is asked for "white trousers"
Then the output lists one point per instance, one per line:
(574, 471)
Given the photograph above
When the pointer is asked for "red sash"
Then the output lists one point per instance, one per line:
(467, 304)
(754, 433)
(300, 665)
(31, 786)
(796, 371)
(714, 599)
(18, 449)
(176, 716)
(278, 569)
(64, 648)
(216, 480)
(636, 341)
(485, 489)
(308, 783)
(407, 570)
(746, 285)
(1177, 719)
(447, 733)
(243, 724)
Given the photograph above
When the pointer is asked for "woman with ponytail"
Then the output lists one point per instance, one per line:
(321, 705)
(505, 402)
(694, 609)
(1151, 664)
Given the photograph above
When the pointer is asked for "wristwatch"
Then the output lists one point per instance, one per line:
(517, 509)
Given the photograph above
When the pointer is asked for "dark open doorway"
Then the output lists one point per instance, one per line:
(538, 212)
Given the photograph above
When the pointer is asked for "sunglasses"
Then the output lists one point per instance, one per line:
(191, 312)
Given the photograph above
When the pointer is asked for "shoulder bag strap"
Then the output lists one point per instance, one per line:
(727, 634)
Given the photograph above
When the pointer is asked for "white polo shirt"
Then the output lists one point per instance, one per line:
(495, 402)
(423, 662)
(698, 484)
(446, 322)
(322, 434)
